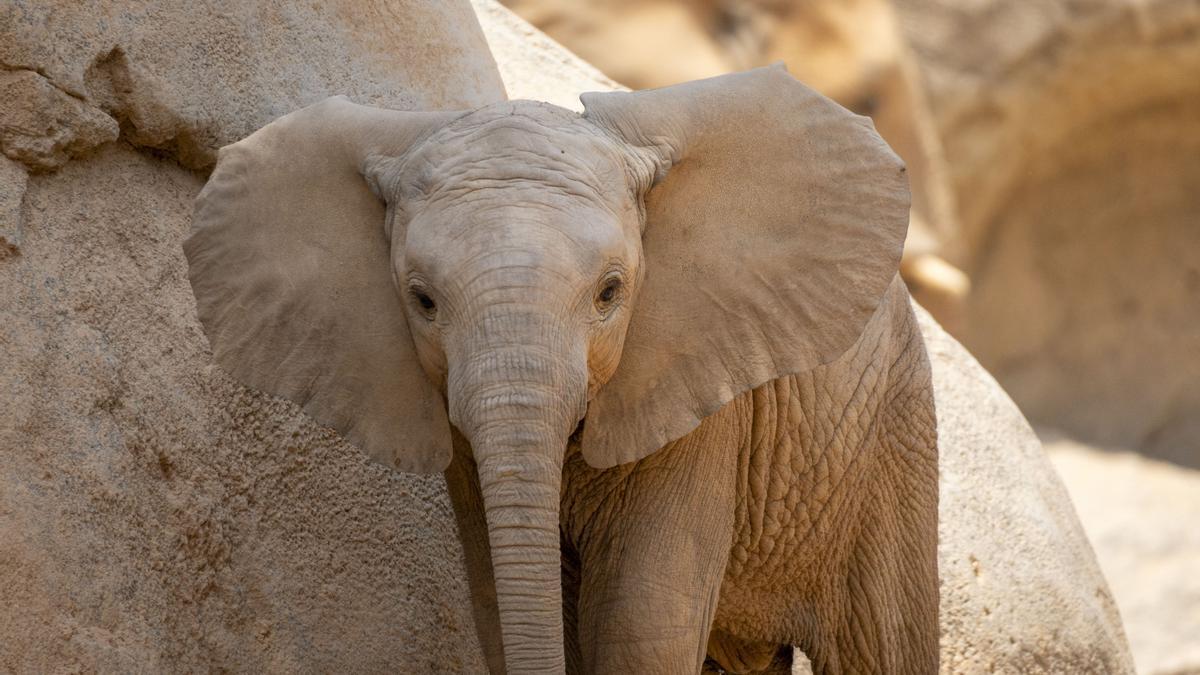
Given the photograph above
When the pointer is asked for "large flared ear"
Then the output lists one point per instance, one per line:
(291, 268)
(768, 245)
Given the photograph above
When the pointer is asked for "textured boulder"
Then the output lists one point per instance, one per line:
(13, 180)
(43, 126)
(155, 516)
(1073, 136)
(191, 77)
(534, 66)
(1021, 589)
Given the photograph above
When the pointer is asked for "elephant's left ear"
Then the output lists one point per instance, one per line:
(290, 262)
(768, 246)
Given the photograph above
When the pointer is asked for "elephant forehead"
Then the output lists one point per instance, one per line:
(521, 182)
(526, 117)
(523, 142)
(498, 230)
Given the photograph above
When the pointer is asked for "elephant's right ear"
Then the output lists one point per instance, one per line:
(291, 269)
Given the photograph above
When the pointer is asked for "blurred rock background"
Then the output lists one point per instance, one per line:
(1054, 151)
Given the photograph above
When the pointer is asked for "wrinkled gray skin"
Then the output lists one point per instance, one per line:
(824, 483)
(577, 298)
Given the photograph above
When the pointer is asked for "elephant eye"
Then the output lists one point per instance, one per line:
(425, 303)
(609, 292)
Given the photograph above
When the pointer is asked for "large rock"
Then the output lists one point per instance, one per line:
(155, 516)
(532, 65)
(1021, 590)
(1072, 131)
(190, 77)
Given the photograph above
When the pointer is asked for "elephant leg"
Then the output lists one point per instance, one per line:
(462, 483)
(646, 605)
(654, 559)
(890, 621)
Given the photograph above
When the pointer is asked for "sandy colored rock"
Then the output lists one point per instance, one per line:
(42, 126)
(1073, 133)
(1142, 517)
(1021, 590)
(13, 180)
(534, 66)
(180, 75)
(155, 516)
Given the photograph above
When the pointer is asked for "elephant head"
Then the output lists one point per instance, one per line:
(523, 272)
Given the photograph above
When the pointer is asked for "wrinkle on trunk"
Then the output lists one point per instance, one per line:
(521, 497)
(516, 405)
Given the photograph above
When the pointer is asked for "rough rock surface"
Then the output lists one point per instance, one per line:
(534, 66)
(42, 126)
(190, 77)
(13, 180)
(155, 516)
(1021, 590)
(1072, 130)
(1142, 517)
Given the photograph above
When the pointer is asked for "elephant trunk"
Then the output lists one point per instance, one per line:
(514, 404)
(521, 497)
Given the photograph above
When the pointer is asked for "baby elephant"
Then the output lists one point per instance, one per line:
(659, 350)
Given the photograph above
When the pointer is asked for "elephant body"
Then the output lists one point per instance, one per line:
(660, 351)
(803, 513)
